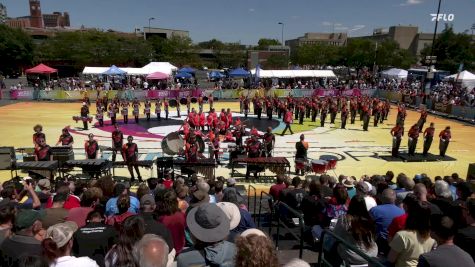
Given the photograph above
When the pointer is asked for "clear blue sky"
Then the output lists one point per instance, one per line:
(246, 21)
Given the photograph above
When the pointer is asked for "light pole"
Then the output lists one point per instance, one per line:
(282, 36)
(431, 60)
(149, 20)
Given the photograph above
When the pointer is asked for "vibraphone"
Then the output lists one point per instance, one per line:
(62, 154)
(91, 165)
(206, 167)
(40, 167)
(147, 164)
(277, 165)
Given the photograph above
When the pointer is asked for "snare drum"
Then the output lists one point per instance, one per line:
(319, 166)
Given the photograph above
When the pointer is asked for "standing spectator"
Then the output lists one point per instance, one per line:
(255, 249)
(58, 244)
(89, 199)
(363, 189)
(383, 216)
(447, 253)
(171, 216)
(94, 239)
(55, 214)
(121, 189)
(123, 204)
(408, 244)
(358, 229)
(150, 251)
(7, 217)
(209, 228)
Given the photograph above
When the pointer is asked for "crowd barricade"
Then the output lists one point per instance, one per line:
(464, 112)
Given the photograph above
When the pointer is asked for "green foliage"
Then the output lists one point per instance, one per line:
(318, 54)
(264, 43)
(277, 62)
(388, 54)
(452, 49)
(177, 50)
(16, 49)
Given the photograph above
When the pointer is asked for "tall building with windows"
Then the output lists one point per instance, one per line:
(36, 18)
(3, 13)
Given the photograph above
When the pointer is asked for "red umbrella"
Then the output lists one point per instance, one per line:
(157, 76)
(41, 69)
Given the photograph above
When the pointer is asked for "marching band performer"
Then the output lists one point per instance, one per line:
(112, 113)
(246, 107)
(84, 115)
(344, 115)
(422, 119)
(188, 104)
(215, 145)
(253, 148)
(191, 148)
(210, 101)
(229, 115)
(200, 104)
(147, 108)
(117, 141)
(91, 147)
(353, 110)
(269, 108)
(401, 114)
(366, 111)
(65, 139)
(194, 123)
(38, 134)
(323, 113)
(301, 148)
(165, 107)
(288, 119)
(158, 108)
(238, 134)
(428, 137)
(397, 132)
(136, 109)
(130, 154)
(125, 110)
(445, 137)
(100, 114)
(413, 135)
(201, 119)
(177, 107)
(269, 142)
(333, 111)
(301, 112)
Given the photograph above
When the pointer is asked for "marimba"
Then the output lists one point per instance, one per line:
(91, 165)
(206, 167)
(277, 165)
(39, 167)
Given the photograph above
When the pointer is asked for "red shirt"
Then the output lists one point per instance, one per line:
(168, 183)
(176, 223)
(276, 189)
(72, 202)
(413, 132)
(288, 117)
(79, 215)
(398, 224)
(429, 131)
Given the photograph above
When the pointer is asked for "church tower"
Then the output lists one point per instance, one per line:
(36, 19)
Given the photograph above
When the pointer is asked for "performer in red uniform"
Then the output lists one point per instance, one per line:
(188, 104)
(117, 141)
(445, 137)
(84, 115)
(147, 109)
(397, 132)
(344, 116)
(43, 151)
(229, 120)
(112, 113)
(353, 110)
(215, 146)
(366, 111)
(100, 114)
(165, 107)
(38, 134)
(422, 119)
(191, 148)
(136, 109)
(253, 151)
(91, 147)
(269, 142)
(191, 119)
(177, 107)
(413, 135)
(246, 107)
(130, 154)
(200, 104)
(158, 108)
(65, 139)
(201, 120)
(288, 119)
(401, 114)
(125, 110)
(428, 137)
(210, 101)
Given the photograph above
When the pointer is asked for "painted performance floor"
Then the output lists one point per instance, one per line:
(358, 152)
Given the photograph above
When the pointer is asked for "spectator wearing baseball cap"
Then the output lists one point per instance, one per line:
(152, 226)
(26, 240)
(58, 245)
(209, 228)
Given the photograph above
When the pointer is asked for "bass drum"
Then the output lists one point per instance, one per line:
(172, 103)
(172, 144)
(183, 101)
(201, 144)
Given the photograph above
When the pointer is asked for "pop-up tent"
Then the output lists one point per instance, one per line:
(41, 69)
(183, 75)
(216, 75)
(394, 73)
(113, 70)
(157, 76)
(164, 67)
(239, 73)
(187, 70)
(465, 77)
(293, 73)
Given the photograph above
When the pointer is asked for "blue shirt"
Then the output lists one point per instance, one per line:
(111, 206)
(383, 215)
(351, 192)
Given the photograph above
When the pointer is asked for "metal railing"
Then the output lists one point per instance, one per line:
(339, 241)
(270, 201)
(249, 201)
(294, 214)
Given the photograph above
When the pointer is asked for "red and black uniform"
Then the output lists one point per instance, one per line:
(422, 120)
(246, 107)
(428, 137)
(66, 139)
(344, 116)
(84, 115)
(147, 109)
(353, 110)
(210, 101)
(43, 153)
(200, 103)
(188, 104)
(401, 115)
(135, 111)
(112, 113)
(269, 140)
(301, 111)
(333, 112)
(323, 113)
(269, 109)
(366, 112)
(165, 107)
(215, 146)
(117, 141)
(158, 108)
(37, 136)
(125, 111)
(253, 151)
(288, 118)
(130, 153)
(191, 152)
(100, 114)
(91, 148)
(397, 132)
(413, 135)
(314, 105)
(445, 137)
(258, 108)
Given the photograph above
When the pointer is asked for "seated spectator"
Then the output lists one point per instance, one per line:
(364, 189)
(313, 205)
(7, 217)
(121, 254)
(327, 191)
(383, 215)
(150, 251)
(170, 215)
(420, 191)
(255, 249)
(94, 239)
(44, 193)
(209, 228)
(55, 214)
(277, 187)
(389, 180)
(27, 239)
(123, 205)
(405, 186)
(349, 183)
(89, 199)
(296, 262)
(142, 191)
(295, 196)
(218, 191)
(152, 226)
(232, 212)
(287, 189)
(465, 236)
(58, 244)
(447, 253)
(409, 204)
(121, 189)
(443, 196)
(408, 244)
(246, 221)
(76, 189)
(182, 197)
(33, 261)
(338, 205)
(358, 229)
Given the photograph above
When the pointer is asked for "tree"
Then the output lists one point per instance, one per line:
(16, 49)
(388, 54)
(360, 53)
(276, 61)
(212, 44)
(178, 50)
(451, 50)
(264, 43)
(318, 54)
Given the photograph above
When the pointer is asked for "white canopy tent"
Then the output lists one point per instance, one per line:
(294, 73)
(94, 70)
(164, 67)
(465, 77)
(394, 73)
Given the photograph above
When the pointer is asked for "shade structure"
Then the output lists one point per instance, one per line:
(157, 76)
(183, 75)
(293, 73)
(187, 70)
(113, 70)
(465, 77)
(394, 73)
(216, 75)
(239, 73)
(41, 69)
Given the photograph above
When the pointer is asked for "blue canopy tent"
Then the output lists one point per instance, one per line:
(216, 75)
(187, 70)
(239, 73)
(183, 75)
(113, 70)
